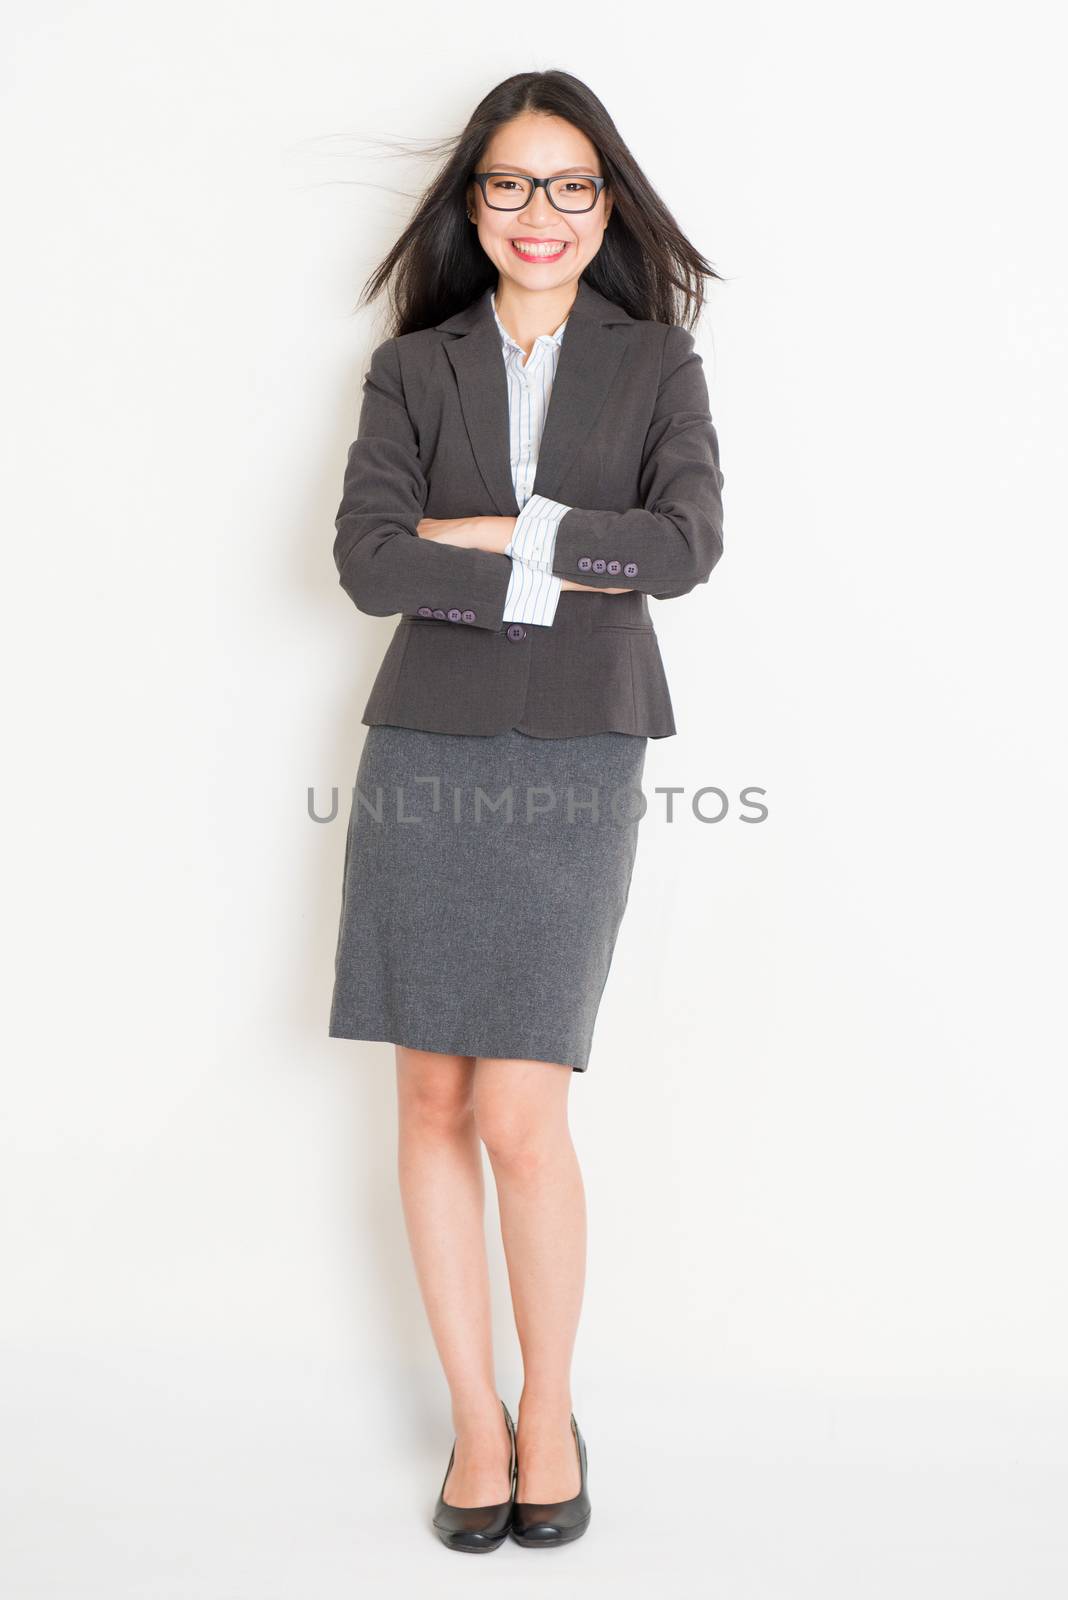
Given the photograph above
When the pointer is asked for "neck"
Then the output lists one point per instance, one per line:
(527, 313)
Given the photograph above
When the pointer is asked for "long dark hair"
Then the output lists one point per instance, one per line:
(437, 267)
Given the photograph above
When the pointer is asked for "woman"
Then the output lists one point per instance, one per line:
(494, 820)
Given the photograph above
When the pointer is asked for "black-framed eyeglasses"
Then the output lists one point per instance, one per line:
(511, 192)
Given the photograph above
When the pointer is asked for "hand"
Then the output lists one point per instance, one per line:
(590, 588)
(492, 534)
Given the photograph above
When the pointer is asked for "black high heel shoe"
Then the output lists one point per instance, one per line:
(474, 1528)
(540, 1525)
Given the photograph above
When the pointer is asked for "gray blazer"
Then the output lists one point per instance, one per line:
(628, 444)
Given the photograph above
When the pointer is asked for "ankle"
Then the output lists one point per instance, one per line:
(476, 1416)
(545, 1409)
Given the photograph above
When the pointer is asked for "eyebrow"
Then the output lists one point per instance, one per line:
(563, 172)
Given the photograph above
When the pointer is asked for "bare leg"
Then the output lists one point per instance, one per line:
(521, 1116)
(443, 1197)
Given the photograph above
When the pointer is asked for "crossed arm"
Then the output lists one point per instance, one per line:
(391, 558)
(530, 541)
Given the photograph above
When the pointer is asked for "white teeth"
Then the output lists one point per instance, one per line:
(539, 249)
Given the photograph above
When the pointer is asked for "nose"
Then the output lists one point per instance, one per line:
(539, 208)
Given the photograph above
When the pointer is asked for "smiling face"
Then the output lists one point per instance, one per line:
(539, 247)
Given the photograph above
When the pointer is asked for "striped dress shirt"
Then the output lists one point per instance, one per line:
(533, 588)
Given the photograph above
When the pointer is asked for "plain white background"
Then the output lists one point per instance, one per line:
(823, 1128)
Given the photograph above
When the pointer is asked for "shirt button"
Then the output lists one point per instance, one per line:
(517, 631)
(467, 616)
(614, 567)
(425, 611)
(599, 566)
(584, 563)
(454, 615)
(631, 569)
(440, 615)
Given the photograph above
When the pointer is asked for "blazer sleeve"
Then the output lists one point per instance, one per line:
(671, 543)
(382, 562)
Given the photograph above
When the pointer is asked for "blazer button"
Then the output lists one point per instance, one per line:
(467, 616)
(425, 611)
(584, 563)
(440, 615)
(599, 566)
(517, 631)
(614, 567)
(454, 615)
(631, 569)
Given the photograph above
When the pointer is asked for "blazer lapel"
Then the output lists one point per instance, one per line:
(483, 384)
(590, 354)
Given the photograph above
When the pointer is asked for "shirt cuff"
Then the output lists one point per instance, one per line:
(534, 535)
(531, 596)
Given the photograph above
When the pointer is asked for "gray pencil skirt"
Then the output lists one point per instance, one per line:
(484, 884)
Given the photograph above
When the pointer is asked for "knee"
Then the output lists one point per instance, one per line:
(514, 1141)
(436, 1104)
